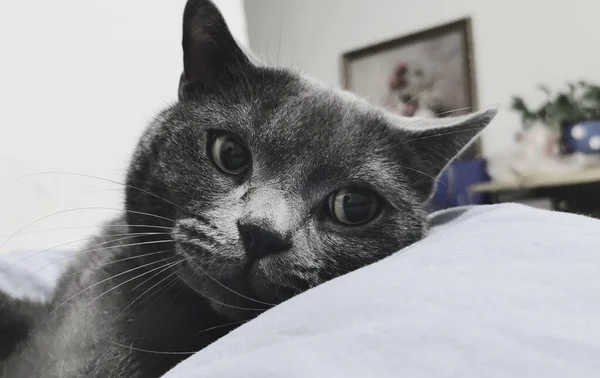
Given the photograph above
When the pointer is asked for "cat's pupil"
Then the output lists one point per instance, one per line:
(229, 154)
(357, 207)
(233, 155)
(353, 207)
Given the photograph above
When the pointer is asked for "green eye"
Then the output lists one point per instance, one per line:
(353, 206)
(229, 155)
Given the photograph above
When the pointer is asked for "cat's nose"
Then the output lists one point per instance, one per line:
(259, 241)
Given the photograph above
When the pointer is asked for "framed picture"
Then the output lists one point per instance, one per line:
(429, 73)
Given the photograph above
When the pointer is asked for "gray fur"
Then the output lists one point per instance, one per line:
(306, 142)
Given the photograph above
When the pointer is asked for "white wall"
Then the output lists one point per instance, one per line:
(79, 79)
(518, 43)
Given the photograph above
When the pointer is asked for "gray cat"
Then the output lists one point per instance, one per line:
(257, 185)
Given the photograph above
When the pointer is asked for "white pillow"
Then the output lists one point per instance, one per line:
(493, 291)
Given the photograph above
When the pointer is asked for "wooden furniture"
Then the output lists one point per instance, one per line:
(577, 192)
(540, 181)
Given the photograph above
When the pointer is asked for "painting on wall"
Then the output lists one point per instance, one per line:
(425, 74)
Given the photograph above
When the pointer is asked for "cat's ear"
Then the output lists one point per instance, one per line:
(211, 56)
(433, 143)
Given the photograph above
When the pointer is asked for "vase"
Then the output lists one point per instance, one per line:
(452, 187)
(581, 137)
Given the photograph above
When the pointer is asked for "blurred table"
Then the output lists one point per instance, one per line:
(577, 192)
(540, 181)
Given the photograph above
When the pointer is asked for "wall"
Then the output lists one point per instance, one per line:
(517, 44)
(79, 79)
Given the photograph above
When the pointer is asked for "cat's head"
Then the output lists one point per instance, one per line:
(275, 184)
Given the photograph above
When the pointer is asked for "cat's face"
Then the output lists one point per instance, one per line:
(275, 184)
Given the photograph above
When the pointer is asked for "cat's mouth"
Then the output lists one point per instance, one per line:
(249, 278)
(228, 294)
(218, 269)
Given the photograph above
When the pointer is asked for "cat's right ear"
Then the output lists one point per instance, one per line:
(211, 57)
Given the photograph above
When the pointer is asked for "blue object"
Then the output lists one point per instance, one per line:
(583, 137)
(454, 182)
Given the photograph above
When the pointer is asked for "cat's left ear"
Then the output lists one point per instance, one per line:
(431, 144)
(211, 56)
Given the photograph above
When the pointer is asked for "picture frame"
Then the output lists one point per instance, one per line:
(427, 73)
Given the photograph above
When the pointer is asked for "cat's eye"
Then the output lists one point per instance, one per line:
(353, 206)
(229, 154)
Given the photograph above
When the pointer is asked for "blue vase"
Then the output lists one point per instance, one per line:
(582, 137)
(453, 185)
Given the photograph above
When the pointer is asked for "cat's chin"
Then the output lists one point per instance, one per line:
(231, 297)
(268, 282)
(244, 292)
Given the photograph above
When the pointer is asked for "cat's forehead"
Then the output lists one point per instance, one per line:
(304, 110)
(317, 122)
(280, 113)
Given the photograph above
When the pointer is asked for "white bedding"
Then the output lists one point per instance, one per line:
(494, 291)
(500, 291)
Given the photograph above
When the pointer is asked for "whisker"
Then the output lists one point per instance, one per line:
(98, 266)
(219, 326)
(172, 352)
(165, 289)
(170, 265)
(456, 110)
(126, 236)
(147, 290)
(88, 250)
(439, 134)
(197, 266)
(79, 209)
(435, 179)
(258, 50)
(179, 207)
(104, 280)
(109, 263)
(233, 306)
(100, 249)
(103, 190)
(280, 32)
(143, 350)
(82, 227)
(96, 178)
(428, 88)
(182, 286)
(154, 275)
(229, 289)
